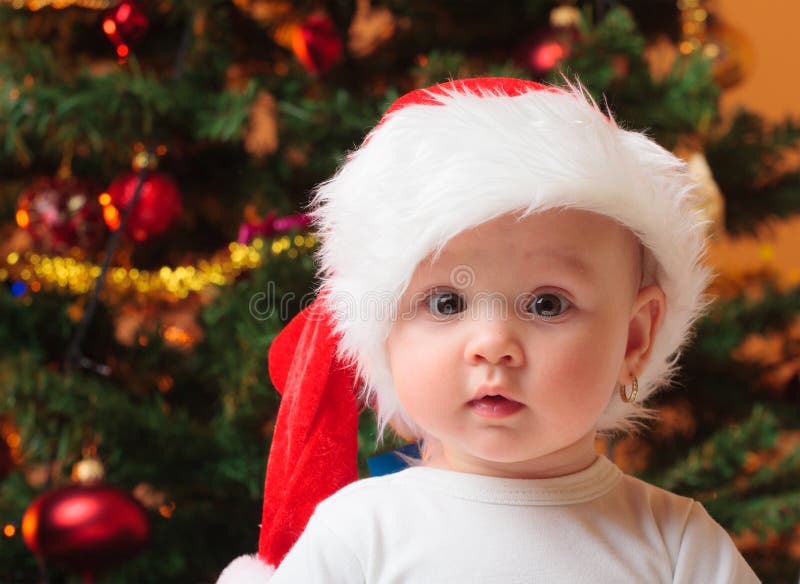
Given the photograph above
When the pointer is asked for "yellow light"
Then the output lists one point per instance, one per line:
(30, 523)
(175, 335)
(104, 199)
(13, 440)
(109, 26)
(711, 50)
(23, 220)
(9, 530)
(700, 15)
(49, 272)
(111, 217)
(685, 47)
(167, 510)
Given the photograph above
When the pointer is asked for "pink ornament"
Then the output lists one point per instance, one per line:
(271, 226)
(61, 214)
(545, 50)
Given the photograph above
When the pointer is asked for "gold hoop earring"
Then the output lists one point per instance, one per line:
(634, 390)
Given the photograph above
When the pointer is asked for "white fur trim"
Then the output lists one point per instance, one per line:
(246, 570)
(430, 171)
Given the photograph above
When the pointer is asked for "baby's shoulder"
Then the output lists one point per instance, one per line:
(363, 495)
(661, 503)
(700, 549)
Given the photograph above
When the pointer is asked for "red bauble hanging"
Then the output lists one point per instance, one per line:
(125, 24)
(86, 528)
(316, 44)
(62, 214)
(543, 51)
(158, 207)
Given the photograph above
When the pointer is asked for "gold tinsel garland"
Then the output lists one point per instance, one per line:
(59, 4)
(66, 274)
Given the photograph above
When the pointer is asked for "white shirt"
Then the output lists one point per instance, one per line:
(430, 526)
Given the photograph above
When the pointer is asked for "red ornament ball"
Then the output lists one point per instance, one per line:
(61, 214)
(125, 24)
(85, 528)
(545, 50)
(158, 207)
(316, 44)
(127, 21)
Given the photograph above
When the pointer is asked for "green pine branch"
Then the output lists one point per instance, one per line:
(749, 165)
(55, 113)
(731, 321)
(609, 59)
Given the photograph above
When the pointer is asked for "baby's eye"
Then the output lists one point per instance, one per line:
(445, 303)
(547, 306)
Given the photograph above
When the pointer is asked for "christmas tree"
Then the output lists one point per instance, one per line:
(155, 163)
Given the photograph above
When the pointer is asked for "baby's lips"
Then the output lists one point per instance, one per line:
(496, 406)
(492, 391)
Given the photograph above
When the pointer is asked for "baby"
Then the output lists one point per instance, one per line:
(505, 274)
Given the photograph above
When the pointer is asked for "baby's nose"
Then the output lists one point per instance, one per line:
(494, 343)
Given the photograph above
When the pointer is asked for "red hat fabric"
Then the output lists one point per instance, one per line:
(315, 443)
(505, 86)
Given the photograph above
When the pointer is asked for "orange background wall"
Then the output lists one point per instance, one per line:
(772, 89)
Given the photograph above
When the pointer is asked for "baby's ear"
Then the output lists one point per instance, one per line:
(647, 314)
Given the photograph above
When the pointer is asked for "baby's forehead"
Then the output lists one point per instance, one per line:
(569, 234)
(579, 241)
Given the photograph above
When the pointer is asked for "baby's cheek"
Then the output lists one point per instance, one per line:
(586, 361)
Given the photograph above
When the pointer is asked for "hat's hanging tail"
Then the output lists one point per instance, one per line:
(315, 444)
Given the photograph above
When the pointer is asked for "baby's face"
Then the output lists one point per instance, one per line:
(535, 313)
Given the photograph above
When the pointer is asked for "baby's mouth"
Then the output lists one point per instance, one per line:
(494, 406)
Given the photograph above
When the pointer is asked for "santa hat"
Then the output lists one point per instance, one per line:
(440, 161)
